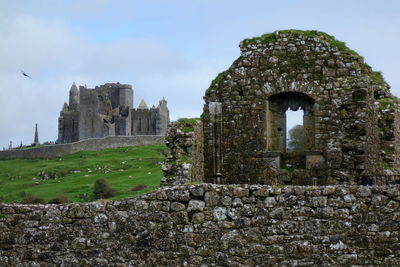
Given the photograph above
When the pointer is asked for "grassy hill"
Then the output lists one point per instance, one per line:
(74, 175)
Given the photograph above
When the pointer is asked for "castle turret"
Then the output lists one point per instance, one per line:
(73, 97)
(142, 105)
(64, 108)
(162, 120)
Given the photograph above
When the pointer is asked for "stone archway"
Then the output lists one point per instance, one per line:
(276, 108)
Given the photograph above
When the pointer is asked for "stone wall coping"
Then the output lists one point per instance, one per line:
(393, 190)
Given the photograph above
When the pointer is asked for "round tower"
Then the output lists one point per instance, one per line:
(73, 97)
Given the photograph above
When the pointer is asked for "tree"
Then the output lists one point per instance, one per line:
(296, 139)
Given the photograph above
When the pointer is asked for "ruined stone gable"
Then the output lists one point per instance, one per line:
(349, 113)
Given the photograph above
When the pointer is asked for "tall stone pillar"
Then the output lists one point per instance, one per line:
(36, 140)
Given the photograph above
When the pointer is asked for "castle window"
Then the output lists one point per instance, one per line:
(285, 110)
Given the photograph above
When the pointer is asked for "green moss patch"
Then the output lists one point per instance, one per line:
(272, 37)
(387, 103)
(377, 77)
(213, 85)
(265, 38)
(186, 125)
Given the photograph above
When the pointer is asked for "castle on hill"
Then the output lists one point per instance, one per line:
(108, 110)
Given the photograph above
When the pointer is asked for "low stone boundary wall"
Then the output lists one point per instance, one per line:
(87, 144)
(210, 225)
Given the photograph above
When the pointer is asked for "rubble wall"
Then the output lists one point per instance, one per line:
(214, 225)
(184, 159)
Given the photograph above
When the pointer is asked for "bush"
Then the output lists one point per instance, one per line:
(32, 199)
(63, 172)
(102, 189)
(60, 199)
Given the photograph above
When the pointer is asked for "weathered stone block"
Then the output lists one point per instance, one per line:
(240, 192)
(197, 191)
(195, 205)
(177, 206)
(198, 218)
(179, 195)
(220, 213)
(318, 201)
(211, 199)
(270, 202)
(364, 191)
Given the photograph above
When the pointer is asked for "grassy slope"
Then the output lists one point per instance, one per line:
(123, 168)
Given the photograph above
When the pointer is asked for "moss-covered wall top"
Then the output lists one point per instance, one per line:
(351, 120)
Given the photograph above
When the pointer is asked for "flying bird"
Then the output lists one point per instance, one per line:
(26, 75)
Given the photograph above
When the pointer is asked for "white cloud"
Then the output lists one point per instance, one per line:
(55, 56)
(35, 44)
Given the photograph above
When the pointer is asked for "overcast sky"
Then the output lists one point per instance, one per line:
(165, 48)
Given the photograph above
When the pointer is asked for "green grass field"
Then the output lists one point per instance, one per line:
(123, 168)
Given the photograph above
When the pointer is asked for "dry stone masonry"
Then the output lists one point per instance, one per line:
(184, 155)
(350, 121)
(211, 225)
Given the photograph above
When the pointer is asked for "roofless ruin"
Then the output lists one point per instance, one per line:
(350, 122)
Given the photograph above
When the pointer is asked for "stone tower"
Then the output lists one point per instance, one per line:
(36, 140)
(150, 121)
(73, 97)
(162, 117)
(350, 121)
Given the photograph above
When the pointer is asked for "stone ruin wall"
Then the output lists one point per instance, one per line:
(60, 150)
(210, 225)
(184, 158)
(350, 125)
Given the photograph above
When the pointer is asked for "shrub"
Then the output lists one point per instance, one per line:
(102, 189)
(60, 199)
(84, 197)
(32, 199)
(63, 172)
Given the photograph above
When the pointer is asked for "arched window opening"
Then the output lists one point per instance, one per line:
(284, 138)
